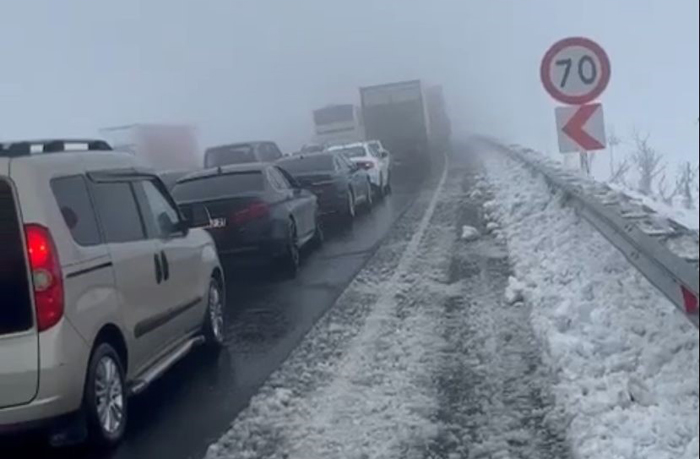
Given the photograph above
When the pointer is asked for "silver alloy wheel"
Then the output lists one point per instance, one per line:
(216, 313)
(109, 395)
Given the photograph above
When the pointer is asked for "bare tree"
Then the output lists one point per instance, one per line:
(687, 184)
(614, 141)
(648, 162)
(620, 171)
(666, 194)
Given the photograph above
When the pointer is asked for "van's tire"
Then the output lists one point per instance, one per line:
(105, 398)
(214, 327)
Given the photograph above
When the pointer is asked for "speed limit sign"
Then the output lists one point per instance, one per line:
(575, 71)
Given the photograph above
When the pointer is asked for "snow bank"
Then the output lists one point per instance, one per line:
(626, 361)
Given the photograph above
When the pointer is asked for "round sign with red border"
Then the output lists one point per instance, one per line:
(576, 71)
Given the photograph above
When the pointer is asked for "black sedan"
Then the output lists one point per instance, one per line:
(256, 210)
(340, 185)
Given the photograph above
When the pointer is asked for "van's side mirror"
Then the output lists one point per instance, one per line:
(385, 154)
(196, 216)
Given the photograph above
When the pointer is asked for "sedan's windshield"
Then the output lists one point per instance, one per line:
(218, 186)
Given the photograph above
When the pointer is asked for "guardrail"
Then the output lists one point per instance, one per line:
(665, 252)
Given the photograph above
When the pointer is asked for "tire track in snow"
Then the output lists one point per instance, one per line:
(495, 390)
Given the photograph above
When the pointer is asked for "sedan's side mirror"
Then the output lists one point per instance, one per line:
(196, 216)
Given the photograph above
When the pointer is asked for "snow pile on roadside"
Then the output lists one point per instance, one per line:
(626, 361)
(469, 233)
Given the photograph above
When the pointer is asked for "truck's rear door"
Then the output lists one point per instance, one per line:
(19, 345)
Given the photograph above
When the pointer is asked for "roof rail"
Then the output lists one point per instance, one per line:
(38, 147)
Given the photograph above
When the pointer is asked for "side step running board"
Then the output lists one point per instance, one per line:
(164, 365)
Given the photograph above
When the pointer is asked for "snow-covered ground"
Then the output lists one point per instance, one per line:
(626, 363)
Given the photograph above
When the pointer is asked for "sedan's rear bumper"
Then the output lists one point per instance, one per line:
(249, 243)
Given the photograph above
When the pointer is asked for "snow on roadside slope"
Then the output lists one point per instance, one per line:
(686, 217)
(626, 361)
(360, 384)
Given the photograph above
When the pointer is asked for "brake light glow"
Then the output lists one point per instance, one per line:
(47, 278)
(255, 211)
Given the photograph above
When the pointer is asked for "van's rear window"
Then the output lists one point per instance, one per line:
(15, 300)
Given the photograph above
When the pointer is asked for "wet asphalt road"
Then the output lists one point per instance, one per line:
(192, 405)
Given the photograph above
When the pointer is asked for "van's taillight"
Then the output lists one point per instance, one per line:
(47, 278)
(367, 165)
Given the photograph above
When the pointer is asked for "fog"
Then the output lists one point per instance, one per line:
(255, 69)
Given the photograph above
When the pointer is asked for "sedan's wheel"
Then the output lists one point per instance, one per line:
(293, 255)
(351, 210)
(215, 321)
(319, 235)
(105, 397)
(370, 195)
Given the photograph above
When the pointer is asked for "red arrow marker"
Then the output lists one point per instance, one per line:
(575, 128)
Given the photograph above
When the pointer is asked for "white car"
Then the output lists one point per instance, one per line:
(104, 285)
(374, 159)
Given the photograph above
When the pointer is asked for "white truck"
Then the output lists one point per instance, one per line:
(164, 147)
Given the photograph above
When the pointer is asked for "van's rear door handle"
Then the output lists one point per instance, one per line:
(159, 269)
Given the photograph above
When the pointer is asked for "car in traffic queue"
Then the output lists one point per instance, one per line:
(376, 162)
(258, 212)
(241, 153)
(340, 185)
(104, 286)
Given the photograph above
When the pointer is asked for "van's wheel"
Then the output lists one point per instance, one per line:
(381, 189)
(387, 187)
(104, 400)
(292, 257)
(214, 328)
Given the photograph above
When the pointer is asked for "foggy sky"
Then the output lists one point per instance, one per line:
(254, 69)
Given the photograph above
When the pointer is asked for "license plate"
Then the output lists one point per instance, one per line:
(218, 223)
